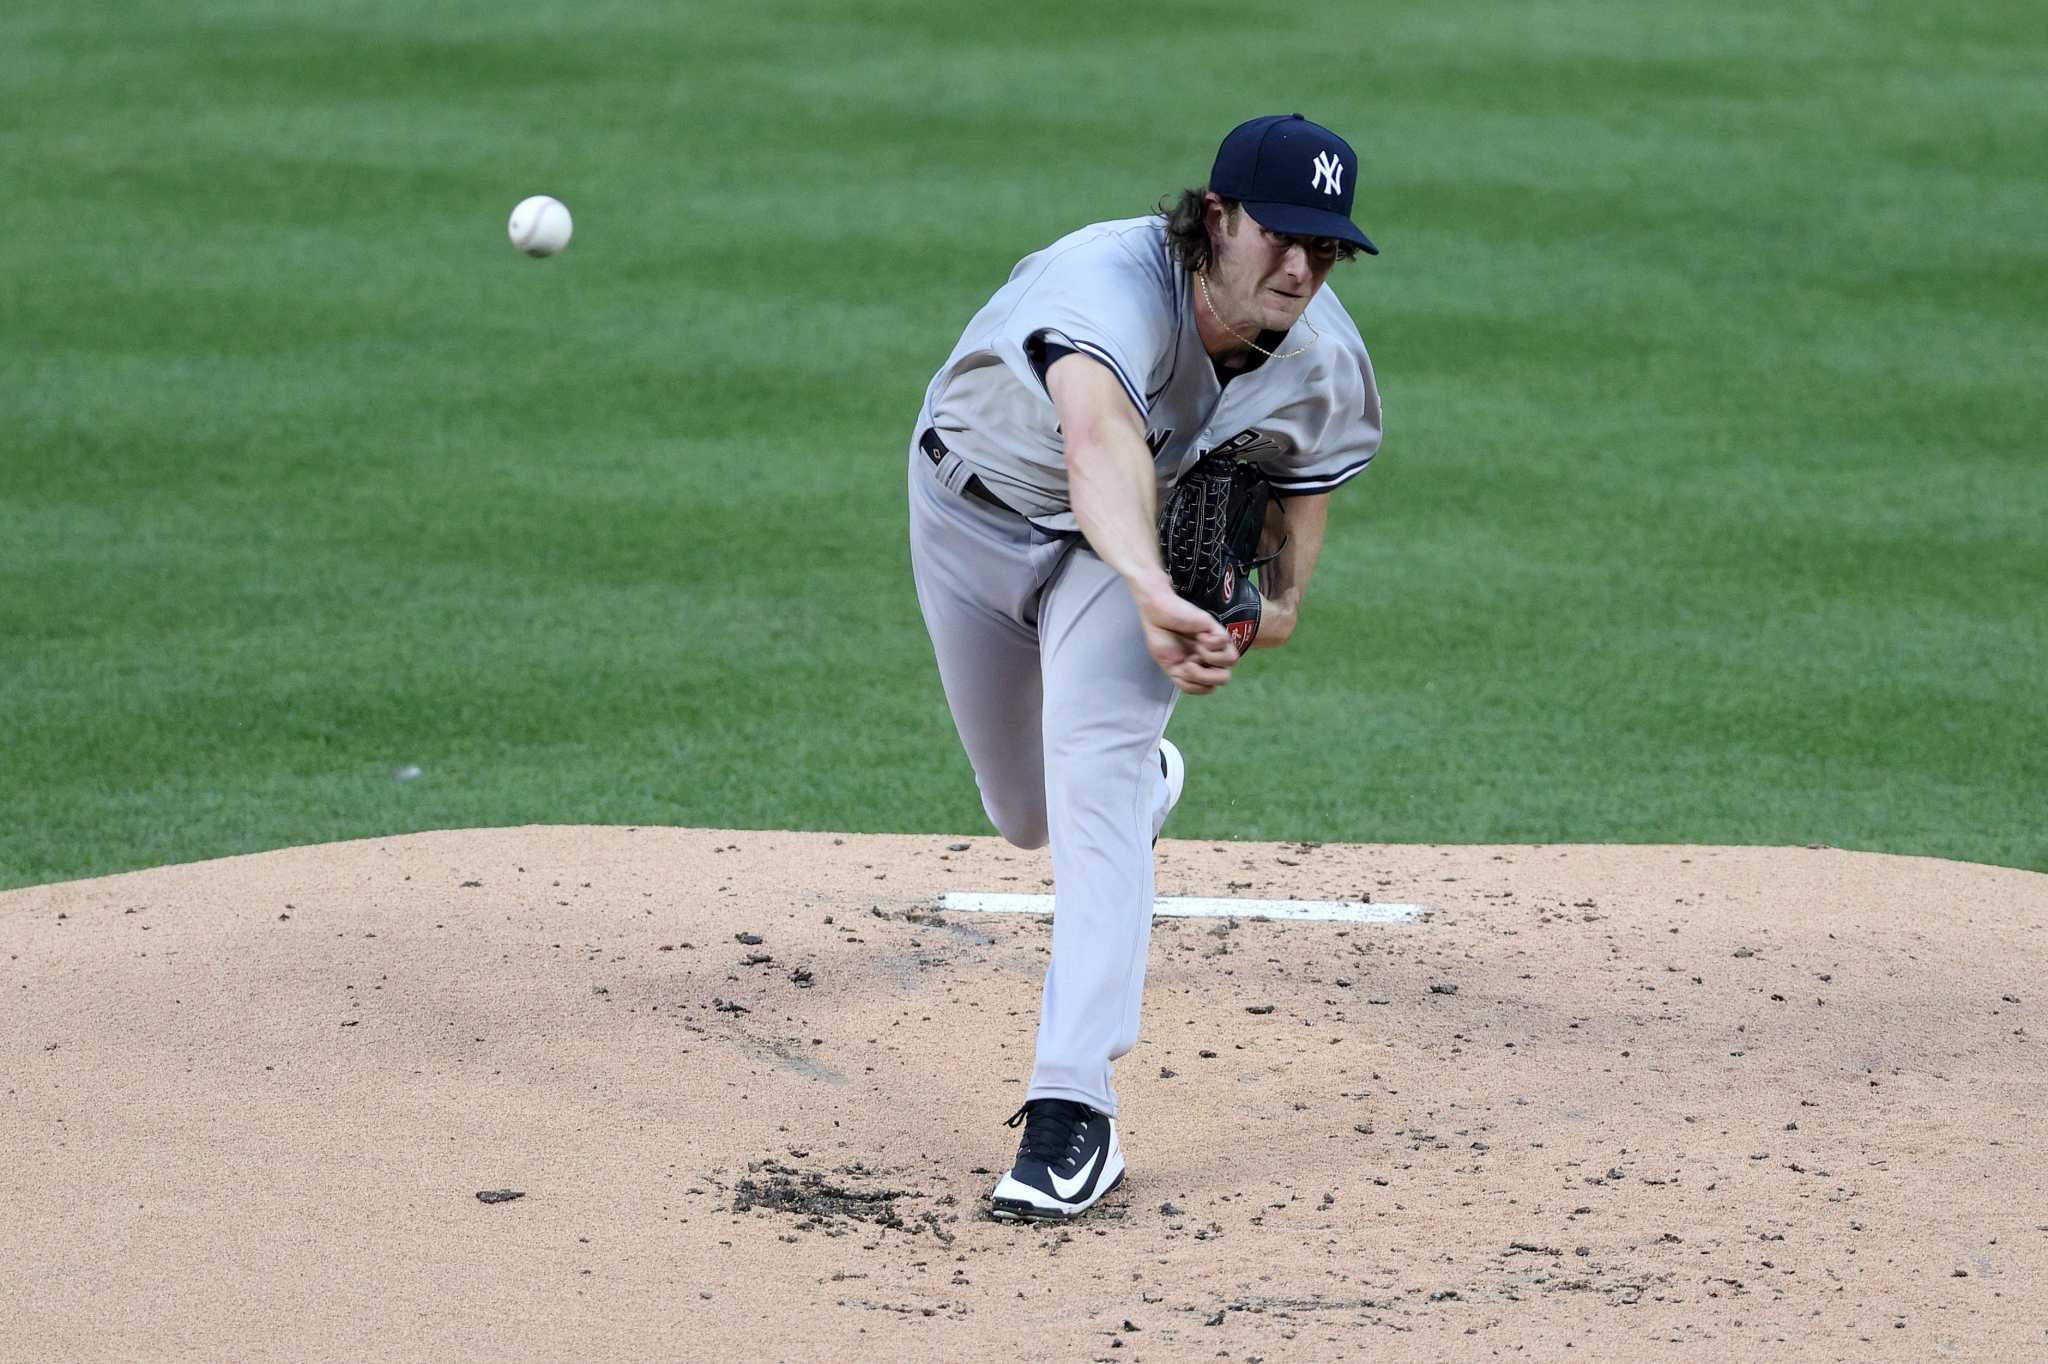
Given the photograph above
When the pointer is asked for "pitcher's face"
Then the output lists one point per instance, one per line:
(1262, 280)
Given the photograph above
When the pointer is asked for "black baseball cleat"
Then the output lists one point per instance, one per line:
(1068, 1160)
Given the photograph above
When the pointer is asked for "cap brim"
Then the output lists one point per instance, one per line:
(1297, 221)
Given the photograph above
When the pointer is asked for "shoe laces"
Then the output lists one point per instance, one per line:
(1052, 1129)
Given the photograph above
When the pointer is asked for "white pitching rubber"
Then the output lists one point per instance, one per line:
(1196, 907)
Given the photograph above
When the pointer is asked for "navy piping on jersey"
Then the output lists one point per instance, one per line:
(1098, 353)
(1041, 351)
(1043, 354)
(1297, 485)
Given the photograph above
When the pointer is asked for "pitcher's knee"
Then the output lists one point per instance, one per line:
(1023, 828)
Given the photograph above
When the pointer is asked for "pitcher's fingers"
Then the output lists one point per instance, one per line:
(1180, 616)
(1200, 674)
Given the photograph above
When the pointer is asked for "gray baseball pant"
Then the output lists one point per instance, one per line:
(1061, 710)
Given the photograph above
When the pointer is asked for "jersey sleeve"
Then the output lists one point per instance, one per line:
(1327, 436)
(1041, 351)
(1103, 297)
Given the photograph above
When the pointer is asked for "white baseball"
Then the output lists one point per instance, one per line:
(540, 226)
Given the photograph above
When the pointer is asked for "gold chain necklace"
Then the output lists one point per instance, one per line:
(1314, 336)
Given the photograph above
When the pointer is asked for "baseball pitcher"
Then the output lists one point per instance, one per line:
(1118, 484)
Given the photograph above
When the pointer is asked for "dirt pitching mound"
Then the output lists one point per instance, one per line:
(563, 1093)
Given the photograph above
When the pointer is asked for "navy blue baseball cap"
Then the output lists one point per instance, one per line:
(1292, 176)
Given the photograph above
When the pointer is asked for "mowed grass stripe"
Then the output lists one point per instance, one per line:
(1710, 507)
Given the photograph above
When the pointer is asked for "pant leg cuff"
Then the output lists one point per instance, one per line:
(1100, 1103)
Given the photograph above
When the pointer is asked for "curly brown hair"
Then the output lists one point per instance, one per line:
(1187, 228)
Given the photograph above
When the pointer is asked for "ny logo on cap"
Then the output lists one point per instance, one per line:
(1329, 176)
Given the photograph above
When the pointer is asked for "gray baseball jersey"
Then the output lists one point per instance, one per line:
(1112, 291)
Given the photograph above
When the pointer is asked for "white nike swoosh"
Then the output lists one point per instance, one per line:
(1068, 1188)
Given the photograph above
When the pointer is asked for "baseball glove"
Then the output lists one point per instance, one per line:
(1209, 538)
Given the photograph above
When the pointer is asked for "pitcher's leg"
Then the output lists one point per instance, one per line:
(1106, 706)
(988, 661)
(992, 687)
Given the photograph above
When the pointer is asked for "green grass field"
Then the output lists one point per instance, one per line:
(1712, 506)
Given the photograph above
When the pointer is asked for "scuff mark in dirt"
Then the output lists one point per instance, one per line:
(824, 1203)
(787, 1054)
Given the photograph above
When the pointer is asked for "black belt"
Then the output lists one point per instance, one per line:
(935, 450)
